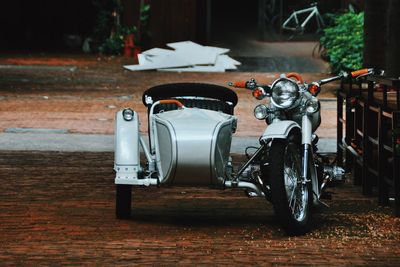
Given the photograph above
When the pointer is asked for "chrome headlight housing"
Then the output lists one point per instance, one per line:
(260, 112)
(285, 92)
(312, 105)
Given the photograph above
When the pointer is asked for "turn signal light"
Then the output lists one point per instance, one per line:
(314, 89)
(258, 93)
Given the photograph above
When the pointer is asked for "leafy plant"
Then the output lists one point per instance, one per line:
(104, 18)
(344, 42)
(115, 43)
(143, 33)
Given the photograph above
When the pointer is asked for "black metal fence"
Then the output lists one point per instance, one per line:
(368, 136)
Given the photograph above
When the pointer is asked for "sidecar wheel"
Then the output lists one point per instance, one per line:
(290, 197)
(123, 201)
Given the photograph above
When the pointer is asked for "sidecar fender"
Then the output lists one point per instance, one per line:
(279, 130)
(127, 153)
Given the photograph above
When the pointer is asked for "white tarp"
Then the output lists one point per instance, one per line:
(187, 56)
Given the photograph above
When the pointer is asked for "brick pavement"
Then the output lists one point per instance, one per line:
(58, 209)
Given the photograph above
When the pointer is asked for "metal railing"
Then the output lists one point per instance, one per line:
(368, 136)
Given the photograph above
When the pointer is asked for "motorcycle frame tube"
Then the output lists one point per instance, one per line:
(156, 160)
(149, 157)
(255, 155)
(151, 128)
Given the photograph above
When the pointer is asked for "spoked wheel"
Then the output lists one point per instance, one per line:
(279, 33)
(276, 28)
(291, 196)
(123, 201)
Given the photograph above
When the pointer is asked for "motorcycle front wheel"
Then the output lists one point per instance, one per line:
(291, 196)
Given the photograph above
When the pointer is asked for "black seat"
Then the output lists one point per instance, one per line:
(200, 95)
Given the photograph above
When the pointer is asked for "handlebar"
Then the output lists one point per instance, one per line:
(238, 84)
(357, 73)
(313, 87)
(353, 74)
(251, 84)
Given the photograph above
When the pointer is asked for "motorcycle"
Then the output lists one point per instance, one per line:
(190, 134)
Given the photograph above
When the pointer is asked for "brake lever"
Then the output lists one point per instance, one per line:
(362, 75)
(373, 71)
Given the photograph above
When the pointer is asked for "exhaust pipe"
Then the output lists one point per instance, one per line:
(252, 189)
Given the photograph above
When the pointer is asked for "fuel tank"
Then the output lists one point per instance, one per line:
(192, 146)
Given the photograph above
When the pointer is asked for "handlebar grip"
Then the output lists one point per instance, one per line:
(172, 101)
(239, 84)
(359, 72)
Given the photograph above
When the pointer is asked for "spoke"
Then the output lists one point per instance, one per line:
(294, 206)
(292, 198)
(293, 183)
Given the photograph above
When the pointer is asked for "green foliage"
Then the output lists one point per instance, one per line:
(143, 36)
(104, 19)
(344, 42)
(144, 14)
(115, 43)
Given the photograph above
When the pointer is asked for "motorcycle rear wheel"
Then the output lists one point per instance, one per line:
(290, 195)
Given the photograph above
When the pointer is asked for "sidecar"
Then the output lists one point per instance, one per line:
(190, 127)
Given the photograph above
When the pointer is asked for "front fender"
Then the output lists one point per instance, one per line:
(127, 153)
(279, 130)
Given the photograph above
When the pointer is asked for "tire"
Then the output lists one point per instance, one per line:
(276, 28)
(123, 201)
(291, 200)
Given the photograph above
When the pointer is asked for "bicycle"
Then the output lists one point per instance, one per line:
(294, 23)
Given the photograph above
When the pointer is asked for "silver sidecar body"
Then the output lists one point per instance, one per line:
(192, 146)
(188, 145)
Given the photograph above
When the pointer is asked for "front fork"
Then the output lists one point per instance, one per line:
(309, 172)
(306, 140)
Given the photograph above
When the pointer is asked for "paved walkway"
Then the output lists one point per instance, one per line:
(278, 56)
(105, 143)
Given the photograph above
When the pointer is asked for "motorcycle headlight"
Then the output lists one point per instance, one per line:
(260, 112)
(312, 105)
(284, 93)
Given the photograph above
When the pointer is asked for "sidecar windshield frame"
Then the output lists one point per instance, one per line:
(200, 95)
